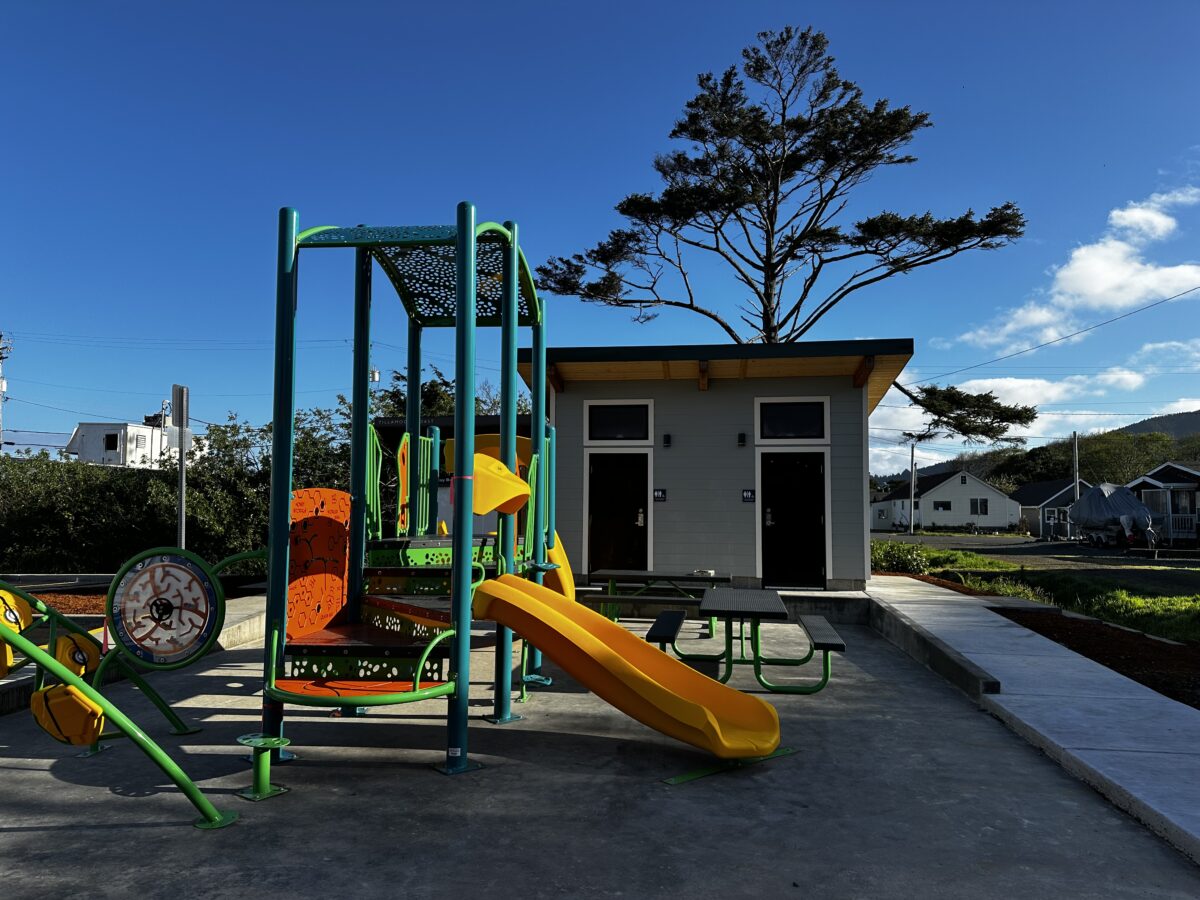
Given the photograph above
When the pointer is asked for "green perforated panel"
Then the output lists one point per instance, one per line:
(419, 260)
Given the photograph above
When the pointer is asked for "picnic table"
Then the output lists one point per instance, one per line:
(756, 606)
(682, 583)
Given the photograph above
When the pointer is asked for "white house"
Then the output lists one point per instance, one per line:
(948, 500)
(119, 443)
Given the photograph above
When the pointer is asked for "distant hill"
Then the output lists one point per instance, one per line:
(1096, 463)
(1177, 425)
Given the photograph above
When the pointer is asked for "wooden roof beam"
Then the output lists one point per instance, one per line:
(865, 367)
(555, 378)
(704, 374)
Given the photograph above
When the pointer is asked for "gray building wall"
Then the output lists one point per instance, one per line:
(704, 524)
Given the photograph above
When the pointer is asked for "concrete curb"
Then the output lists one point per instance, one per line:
(245, 623)
(986, 690)
(1157, 821)
(931, 652)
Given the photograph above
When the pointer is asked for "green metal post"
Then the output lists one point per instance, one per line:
(507, 525)
(412, 420)
(282, 446)
(435, 470)
(537, 432)
(551, 475)
(360, 400)
(464, 473)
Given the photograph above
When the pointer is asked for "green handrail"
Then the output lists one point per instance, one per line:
(212, 817)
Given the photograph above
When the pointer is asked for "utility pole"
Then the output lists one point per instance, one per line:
(179, 418)
(912, 486)
(5, 353)
(1075, 471)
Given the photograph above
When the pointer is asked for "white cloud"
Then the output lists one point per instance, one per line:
(1142, 222)
(1027, 391)
(1111, 274)
(1121, 379)
(1036, 391)
(1170, 353)
(1183, 404)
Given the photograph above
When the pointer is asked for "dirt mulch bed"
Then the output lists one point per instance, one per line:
(74, 604)
(1172, 670)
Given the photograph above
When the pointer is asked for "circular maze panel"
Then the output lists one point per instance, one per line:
(166, 608)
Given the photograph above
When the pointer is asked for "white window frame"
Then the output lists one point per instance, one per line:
(791, 442)
(979, 503)
(587, 426)
(624, 448)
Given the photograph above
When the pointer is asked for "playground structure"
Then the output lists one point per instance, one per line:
(366, 621)
(361, 612)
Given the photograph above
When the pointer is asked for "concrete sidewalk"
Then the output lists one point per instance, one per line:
(901, 789)
(1137, 747)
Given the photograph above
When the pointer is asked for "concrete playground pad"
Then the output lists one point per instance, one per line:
(901, 787)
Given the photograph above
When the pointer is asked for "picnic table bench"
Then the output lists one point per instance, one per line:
(755, 607)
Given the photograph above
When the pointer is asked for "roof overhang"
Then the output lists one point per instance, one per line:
(870, 364)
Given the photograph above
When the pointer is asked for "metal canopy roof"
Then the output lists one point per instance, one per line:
(419, 260)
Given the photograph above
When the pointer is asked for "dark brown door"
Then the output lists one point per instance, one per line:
(793, 513)
(618, 517)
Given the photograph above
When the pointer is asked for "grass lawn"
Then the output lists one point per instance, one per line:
(1148, 598)
(1175, 617)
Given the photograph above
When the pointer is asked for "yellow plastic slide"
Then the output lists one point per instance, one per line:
(635, 677)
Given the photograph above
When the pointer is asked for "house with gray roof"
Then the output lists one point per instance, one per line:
(1044, 506)
(1171, 491)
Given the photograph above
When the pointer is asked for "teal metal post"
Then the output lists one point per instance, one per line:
(508, 455)
(282, 445)
(360, 401)
(551, 478)
(537, 432)
(435, 475)
(412, 419)
(463, 483)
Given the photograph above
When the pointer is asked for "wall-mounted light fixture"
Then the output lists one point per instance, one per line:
(741, 439)
(666, 440)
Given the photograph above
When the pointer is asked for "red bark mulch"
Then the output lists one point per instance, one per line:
(74, 604)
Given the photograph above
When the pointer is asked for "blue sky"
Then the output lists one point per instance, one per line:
(148, 146)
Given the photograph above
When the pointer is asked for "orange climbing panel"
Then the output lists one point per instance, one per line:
(318, 564)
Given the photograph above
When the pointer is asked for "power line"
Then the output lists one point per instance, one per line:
(80, 412)
(1059, 340)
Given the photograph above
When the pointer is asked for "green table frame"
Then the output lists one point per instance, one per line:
(729, 613)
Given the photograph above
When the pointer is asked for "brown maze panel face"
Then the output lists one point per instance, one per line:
(318, 559)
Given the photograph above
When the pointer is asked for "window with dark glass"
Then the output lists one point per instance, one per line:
(979, 506)
(941, 506)
(791, 420)
(619, 422)
(110, 442)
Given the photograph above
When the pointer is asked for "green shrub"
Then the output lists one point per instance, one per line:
(897, 556)
(1005, 587)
